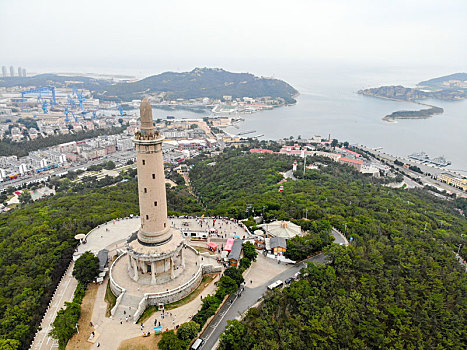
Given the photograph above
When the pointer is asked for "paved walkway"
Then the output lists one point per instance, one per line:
(111, 332)
(216, 228)
(64, 293)
(111, 235)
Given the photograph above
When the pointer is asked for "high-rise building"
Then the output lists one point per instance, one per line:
(12, 71)
(4, 71)
(19, 71)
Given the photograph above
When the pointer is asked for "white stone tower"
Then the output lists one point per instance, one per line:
(156, 248)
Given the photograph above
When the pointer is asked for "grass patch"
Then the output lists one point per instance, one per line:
(207, 279)
(203, 250)
(141, 343)
(79, 340)
(110, 299)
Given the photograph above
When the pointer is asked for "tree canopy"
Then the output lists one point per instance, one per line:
(86, 268)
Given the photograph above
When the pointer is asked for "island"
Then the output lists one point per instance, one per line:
(447, 88)
(420, 114)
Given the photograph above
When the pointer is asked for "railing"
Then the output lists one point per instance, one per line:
(147, 296)
(116, 286)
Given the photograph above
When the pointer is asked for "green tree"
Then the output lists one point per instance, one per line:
(25, 197)
(170, 341)
(245, 263)
(9, 344)
(109, 165)
(86, 268)
(233, 336)
(225, 286)
(235, 274)
(188, 330)
(249, 251)
(64, 325)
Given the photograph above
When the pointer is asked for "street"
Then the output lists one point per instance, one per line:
(237, 305)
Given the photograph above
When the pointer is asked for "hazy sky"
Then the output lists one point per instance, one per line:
(141, 36)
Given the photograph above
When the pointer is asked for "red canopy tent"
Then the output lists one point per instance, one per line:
(212, 245)
(229, 244)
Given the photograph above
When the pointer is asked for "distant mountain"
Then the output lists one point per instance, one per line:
(449, 88)
(200, 82)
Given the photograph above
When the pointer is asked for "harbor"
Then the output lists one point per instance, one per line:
(425, 158)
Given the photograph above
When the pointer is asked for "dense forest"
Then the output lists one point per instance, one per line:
(37, 243)
(397, 286)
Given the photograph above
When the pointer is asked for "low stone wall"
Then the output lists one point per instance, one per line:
(114, 287)
(169, 296)
(211, 269)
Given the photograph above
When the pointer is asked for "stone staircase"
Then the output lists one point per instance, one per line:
(128, 304)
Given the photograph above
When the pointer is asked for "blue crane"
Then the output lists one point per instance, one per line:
(121, 110)
(40, 90)
(81, 99)
(94, 115)
(44, 106)
(67, 111)
(71, 102)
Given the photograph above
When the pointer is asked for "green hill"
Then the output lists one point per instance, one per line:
(200, 82)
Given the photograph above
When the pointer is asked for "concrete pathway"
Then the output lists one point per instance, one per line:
(111, 332)
(64, 293)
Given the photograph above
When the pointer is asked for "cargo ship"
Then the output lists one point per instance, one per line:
(425, 158)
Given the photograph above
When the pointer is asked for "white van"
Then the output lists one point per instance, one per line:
(197, 344)
(276, 284)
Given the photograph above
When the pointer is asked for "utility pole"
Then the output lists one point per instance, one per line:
(306, 214)
(458, 250)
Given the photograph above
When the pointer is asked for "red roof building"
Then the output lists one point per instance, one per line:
(357, 164)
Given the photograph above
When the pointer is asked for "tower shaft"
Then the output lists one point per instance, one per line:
(151, 182)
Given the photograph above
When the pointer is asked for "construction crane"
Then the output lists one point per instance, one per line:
(71, 102)
(67, 111)
(81, 99)
(40, 90)
(44, 106)
(94, 115)
(120, 108)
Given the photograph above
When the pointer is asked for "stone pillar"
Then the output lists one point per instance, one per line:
(130, 264)
(182, 258)
(167, 264)
(135, 265)
(153, 272)
(172, 272)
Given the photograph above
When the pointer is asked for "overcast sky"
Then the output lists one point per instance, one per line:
(153, 36)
